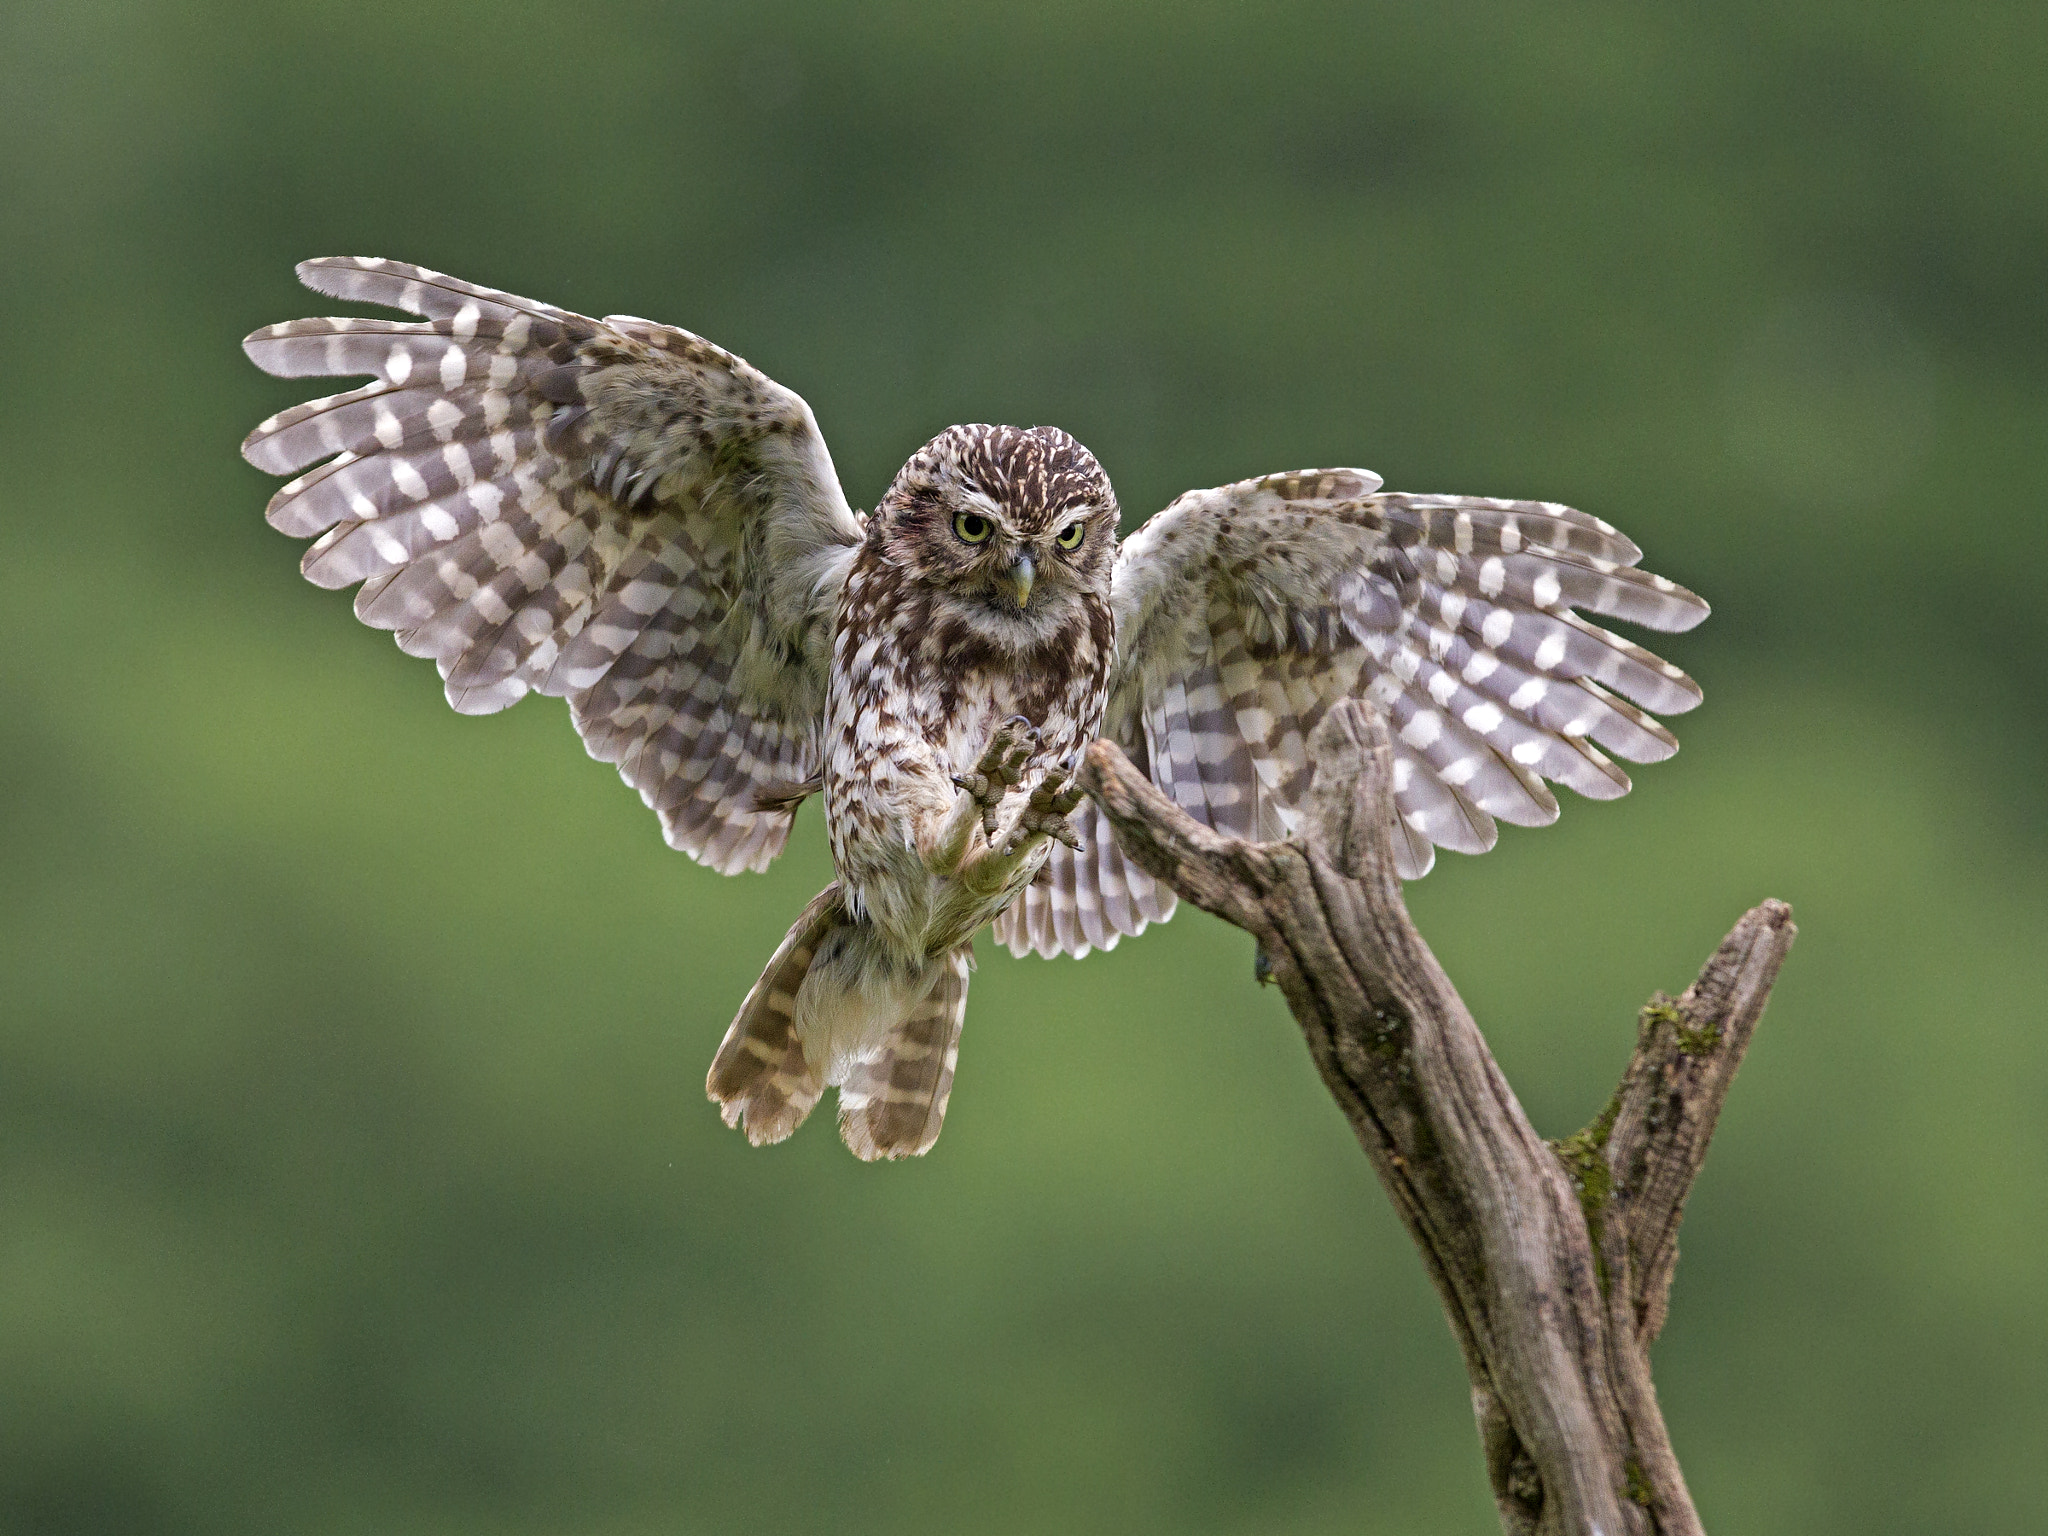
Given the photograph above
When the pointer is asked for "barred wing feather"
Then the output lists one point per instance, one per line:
(1083, 900)
(1244, 612)
(615, 512)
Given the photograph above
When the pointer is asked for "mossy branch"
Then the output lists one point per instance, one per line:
(1553, 1261)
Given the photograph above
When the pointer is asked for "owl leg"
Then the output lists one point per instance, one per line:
(1044, 816)
(999, 769)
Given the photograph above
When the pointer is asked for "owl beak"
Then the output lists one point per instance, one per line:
(1022, 573)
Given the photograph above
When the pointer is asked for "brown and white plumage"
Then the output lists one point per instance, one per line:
(1244, 612)
(613, 511)
(625, 515)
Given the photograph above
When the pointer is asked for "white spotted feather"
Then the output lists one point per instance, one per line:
(1244, 612)
(612, 511)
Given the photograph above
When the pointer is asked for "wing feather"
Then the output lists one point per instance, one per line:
(1244, 612)
(1115, 897)
(612, 511)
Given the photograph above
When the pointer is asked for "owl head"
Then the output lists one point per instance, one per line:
(1014, 527)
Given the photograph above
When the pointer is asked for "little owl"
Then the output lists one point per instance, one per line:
(623, 514)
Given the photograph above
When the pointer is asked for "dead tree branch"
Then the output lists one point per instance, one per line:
(1553, 1262)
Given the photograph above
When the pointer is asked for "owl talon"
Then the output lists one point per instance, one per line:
(1047, 810)
(1010, 748)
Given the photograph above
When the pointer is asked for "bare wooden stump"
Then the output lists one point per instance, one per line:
(1553, 1261)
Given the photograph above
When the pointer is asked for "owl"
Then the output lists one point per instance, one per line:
(623, 514)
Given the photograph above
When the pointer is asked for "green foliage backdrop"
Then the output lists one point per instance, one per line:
(354, 1170)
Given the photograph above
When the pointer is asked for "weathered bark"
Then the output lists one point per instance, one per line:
(1553, 1262)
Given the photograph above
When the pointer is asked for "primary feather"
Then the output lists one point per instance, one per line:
(612, 511)
(1264, 602)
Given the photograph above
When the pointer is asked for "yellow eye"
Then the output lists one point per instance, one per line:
(972, 527)
(1070, 537)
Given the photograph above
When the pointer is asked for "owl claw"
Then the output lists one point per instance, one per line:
(1047, 810)
(1003, 765)
(1014, 743)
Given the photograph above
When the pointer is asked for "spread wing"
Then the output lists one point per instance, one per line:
(616, 512)
(1244, 612)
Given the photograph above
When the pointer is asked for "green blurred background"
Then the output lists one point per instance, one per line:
(355, 1173)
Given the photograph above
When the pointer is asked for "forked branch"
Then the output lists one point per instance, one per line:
(1553, 1262)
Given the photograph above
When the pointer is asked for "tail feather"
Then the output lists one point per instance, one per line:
(834, 1008)
(892, 1096)
(760, 1076)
